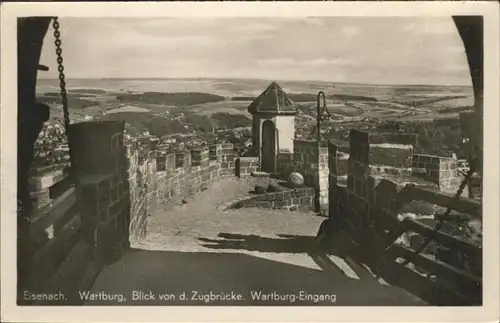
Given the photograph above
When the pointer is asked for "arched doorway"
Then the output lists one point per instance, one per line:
(268, 146)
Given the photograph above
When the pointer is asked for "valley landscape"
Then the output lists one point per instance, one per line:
(170, 106)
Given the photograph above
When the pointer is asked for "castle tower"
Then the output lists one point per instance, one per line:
(273, 128)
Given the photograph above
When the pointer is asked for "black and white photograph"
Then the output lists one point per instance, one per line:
(274, 160)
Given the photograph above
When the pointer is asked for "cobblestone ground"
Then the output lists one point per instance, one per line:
(209, 253)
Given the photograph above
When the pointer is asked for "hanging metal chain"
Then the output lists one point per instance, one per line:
(62, 77)
(62, 84)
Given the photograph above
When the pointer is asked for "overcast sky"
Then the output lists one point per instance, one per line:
(388, 50)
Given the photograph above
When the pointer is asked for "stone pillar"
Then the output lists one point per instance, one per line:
(357, 178)
(100, 171)
(214, 152)
(170, 164)
(285, 164)
(182, 159)
(161, 159)
(227, 153)
(200, 157)
(332, 179)
(323, 179)
(227, 160)
(245, 166)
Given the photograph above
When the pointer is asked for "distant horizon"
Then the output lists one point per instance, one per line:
(354, 50)
(254, 79)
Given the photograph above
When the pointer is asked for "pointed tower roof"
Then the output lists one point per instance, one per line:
(273, 100)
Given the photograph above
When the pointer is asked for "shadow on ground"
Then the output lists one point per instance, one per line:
(174, 273)
(252, 242)
(291, 244)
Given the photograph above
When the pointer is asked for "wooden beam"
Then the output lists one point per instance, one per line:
(45, 217)
(59, 242)
(464, 205)
(464, 281)
(442, 238)
(422, 287)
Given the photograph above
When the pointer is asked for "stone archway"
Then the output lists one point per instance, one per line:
(268, 153)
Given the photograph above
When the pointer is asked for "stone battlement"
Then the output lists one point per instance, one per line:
(115, 187)
(164, 177)
(161, 176)
(379, 193)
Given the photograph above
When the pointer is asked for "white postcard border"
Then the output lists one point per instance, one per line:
(488, 312)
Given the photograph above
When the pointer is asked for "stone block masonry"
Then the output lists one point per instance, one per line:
(214, 151)
(245, 166)
(443, 171)
(200, 157)
(314, 168)
(182, 159)
(323, 176)
(338, 163)
(168, 178)
(383, 187)
(227, 158)
(395, 155)
(90, 222)
(118, 187)
(46, 187)
(286, 164)
(100, 166)
(395, 138)
(364, 171)
(300, 199)
(369, 151)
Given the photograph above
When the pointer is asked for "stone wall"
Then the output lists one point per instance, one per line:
(443, 171)
(100, 168)
(117, 188)
(323, 177)
(114, 188)
(245, 166)
(168, 178)
(300, 199)
(304, 160)
(376, 173)
(85, 225)
(338, 163)
(383, 193)
(396, 138)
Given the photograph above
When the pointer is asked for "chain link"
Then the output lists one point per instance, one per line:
(62, 77)
(62, 84)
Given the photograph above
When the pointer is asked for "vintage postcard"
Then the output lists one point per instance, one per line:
(244, 161)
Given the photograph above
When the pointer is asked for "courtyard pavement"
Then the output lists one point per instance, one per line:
(198, 253)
